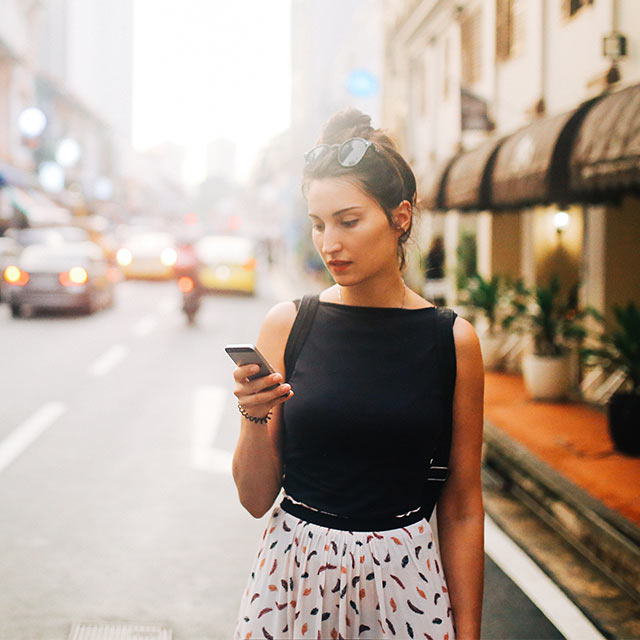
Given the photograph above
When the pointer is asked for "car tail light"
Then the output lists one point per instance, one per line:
(249, 264)
(75, 276)
(186, 284)
(15, 276)
(124, 257)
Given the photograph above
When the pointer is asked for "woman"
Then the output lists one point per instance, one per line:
(350, 446)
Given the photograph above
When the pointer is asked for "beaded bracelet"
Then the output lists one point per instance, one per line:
(263, 420)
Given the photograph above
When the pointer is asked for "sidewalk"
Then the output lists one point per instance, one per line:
(571, 438)
(560, 457)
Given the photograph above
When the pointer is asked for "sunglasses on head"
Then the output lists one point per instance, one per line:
(350, 152)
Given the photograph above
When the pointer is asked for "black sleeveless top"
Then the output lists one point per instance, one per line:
(367, 410)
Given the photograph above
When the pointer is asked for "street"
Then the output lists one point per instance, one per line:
(116, 495)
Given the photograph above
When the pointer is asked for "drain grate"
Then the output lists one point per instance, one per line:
(119, 631)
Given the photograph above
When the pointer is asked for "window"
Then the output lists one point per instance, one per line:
(571, 7)
(509, 28)
(471, 47)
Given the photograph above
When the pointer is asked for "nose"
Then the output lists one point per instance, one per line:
(330, 242)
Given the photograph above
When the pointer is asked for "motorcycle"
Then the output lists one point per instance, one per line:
(186, 272)
(191, 297)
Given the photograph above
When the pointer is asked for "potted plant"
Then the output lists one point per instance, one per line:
(619, 349)
(554, 325)
(484, 295)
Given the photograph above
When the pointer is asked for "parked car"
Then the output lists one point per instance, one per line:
(149, 255)
(66, 276)
(227, 263)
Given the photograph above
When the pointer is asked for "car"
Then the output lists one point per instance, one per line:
(59, 276)
(148, 255)
(226, 263)
(9, 252)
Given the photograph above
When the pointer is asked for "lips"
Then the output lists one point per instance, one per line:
(338, 265)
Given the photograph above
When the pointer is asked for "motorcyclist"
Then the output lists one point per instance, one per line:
(186, 273)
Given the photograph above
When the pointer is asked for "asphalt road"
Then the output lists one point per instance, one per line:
(116, 498)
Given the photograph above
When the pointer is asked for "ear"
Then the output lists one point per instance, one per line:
(402, 214)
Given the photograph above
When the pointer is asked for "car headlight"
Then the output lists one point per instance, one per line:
(124, 257)
(15, 276)
(168, 257)
(78, 275)
(75, 276)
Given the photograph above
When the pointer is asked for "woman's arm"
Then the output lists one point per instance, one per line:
(257, 465)
(460, 510)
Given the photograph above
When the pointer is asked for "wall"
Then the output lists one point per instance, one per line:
(622, 259)
(558, 254)
(506, 234)
(14, 27)
(98, 64)
(518, 79)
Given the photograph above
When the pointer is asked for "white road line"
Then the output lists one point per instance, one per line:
(538, 587)
(109, 360)
(208, 409)
(29, 431)
(145, 325)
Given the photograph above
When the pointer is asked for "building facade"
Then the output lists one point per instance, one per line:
(72, 60)
(512, 111)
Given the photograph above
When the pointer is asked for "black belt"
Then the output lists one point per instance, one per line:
(348, 523)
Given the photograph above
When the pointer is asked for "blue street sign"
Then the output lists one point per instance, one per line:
(362, 83)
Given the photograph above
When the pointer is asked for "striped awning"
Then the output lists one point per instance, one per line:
(606, 154)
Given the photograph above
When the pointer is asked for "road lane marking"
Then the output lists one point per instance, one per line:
(208, 409)
(536, 585)
(29, 431)
(145, 325)
(109, 360)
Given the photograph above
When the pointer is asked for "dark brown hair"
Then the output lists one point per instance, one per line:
(384, 176)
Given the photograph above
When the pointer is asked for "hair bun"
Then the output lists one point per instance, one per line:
(346, 124)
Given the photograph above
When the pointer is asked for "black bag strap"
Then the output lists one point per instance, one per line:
(298, 334)
(438, 470)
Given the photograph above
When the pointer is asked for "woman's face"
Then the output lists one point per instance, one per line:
(350, 231)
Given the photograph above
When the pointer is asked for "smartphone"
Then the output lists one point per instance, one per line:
(243, 354)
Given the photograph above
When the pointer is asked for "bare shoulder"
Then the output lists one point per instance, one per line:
(466, 341)
(280, 318)
(274, 333)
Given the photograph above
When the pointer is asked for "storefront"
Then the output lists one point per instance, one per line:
(561, 196)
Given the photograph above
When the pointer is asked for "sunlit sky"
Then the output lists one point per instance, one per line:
(207, 69)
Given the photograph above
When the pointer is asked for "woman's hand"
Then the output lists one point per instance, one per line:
(254, 396)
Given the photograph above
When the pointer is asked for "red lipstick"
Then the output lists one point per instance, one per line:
(338, 265)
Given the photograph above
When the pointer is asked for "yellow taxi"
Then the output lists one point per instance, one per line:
(227, 263)
(148, 255)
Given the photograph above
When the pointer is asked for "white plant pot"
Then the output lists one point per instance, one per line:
(547, 377)
(491, 344)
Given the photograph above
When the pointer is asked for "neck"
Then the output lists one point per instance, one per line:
(390, 292)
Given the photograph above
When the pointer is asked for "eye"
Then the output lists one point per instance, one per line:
(317, 226)
(350, 223)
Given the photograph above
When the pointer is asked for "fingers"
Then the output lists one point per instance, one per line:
(268, 390)
(240, 374)
(263, 397)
